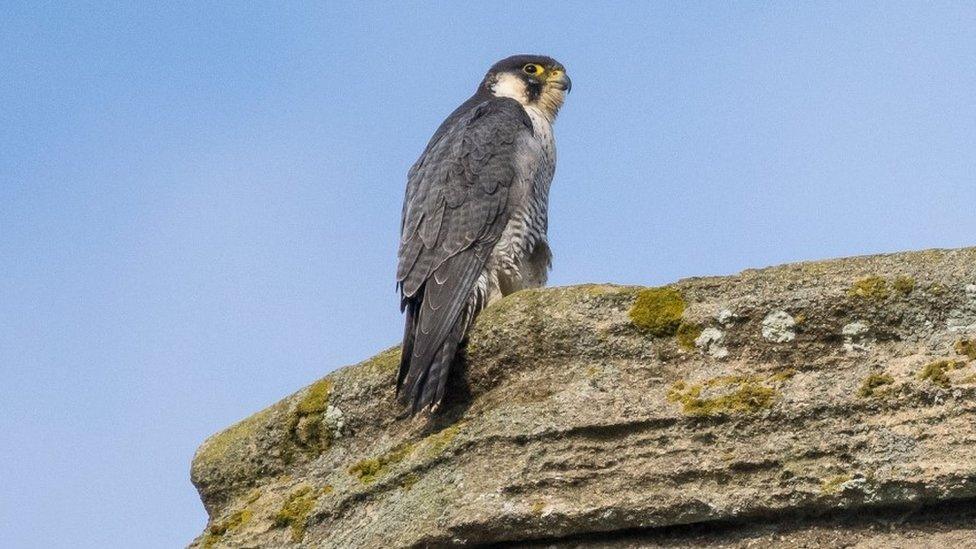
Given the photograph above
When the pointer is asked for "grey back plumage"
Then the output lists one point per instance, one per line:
(457, 204)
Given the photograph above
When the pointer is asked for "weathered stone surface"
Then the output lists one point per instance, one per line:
(817, 404)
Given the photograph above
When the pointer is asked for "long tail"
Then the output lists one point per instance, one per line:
(412, 309)
(421, 380)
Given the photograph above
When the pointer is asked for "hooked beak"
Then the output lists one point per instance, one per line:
(558, 79)
(565, 83)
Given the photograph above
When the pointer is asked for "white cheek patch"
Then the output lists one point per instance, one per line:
(509, 85)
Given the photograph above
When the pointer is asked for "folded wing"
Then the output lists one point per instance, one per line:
(458, 201)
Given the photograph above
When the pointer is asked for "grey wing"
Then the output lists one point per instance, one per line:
(456, 206)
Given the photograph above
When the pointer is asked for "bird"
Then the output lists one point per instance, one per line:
(475, 217)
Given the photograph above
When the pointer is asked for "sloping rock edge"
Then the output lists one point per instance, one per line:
(689, 391)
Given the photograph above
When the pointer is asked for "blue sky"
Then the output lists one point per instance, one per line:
(199, 206)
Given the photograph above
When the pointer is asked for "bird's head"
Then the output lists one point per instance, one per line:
(532, 80)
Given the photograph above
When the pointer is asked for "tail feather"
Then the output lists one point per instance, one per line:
(415, 390)
(406, 350)
(439, 370)
(421, 381)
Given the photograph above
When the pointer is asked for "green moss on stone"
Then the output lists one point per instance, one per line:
(232, 439)
(687, 334)
(305, 423)
(436, 443)
(658, 311)
(372, 469)
(834, 484)
(904, 285)
(746, 396)
(295, 511)
(409, 480)
(386, 362)
(233, 522)
(316, 399)
(966, 347)
(936, 372)
(782, 375)
(538, 506)
(875, 385)
(873, 288)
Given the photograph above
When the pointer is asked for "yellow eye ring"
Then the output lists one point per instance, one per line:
(532, 68)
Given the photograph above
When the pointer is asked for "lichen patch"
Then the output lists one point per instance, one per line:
(779, 327)
(963, 318)
(856, 337)
(710, 341)
(725, 317)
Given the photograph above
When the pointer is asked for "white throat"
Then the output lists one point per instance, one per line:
(509, 85)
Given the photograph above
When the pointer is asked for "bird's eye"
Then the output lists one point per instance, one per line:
(532, 68)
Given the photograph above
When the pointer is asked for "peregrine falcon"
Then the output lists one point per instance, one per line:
(475, 216)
